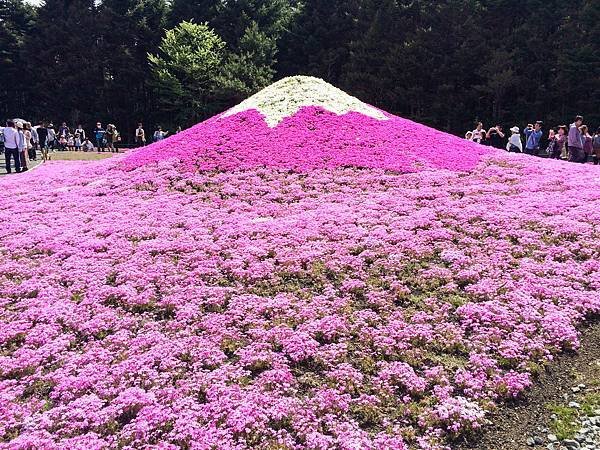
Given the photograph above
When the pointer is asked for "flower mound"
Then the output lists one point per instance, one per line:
(344, 304)
(303, 123)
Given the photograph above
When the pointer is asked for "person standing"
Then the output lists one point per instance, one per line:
(112, 137)
(29, 148)
(77, 142)
(596, 147)
(100, 135)
(140, 136)
(159, 134)
(587, 142)
(81, 132)
(514, 142)
(22, 147)
(575, 142)
(42, 133)
(63, 131)
(495, 137)
(561, 142)
(479, 133)
(35, 139)
(51, 137)
(552, 150)
(533, 135)
(11, 146)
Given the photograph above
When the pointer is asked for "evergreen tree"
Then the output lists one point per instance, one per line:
(16, 21)
(377, 57)
(251, 30)
(199, 11)
(578, 64)
(129, 33)
(232, 19)
(250, 68)
(445, 62)
(318, 40)
(187, 70)
(63, 54)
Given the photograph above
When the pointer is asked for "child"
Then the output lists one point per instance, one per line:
(62, 142)
(88, 146)
(71, 142)
(77, 142)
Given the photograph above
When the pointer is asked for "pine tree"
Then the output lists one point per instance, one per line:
(317, 42)
(16, 21)
(251, 30)
(376, 57)
(130, 30)
(578, 63)
(199, 11)
(187, 70)
(63, 53)
(250, 68)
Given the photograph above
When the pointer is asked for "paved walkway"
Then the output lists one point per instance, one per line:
(30, 164)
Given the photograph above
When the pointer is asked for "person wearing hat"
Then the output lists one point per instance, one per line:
(514, 142)
(11, 146)
(22, 146)
(51, 136)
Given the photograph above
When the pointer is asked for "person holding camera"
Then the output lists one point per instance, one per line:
(533, 135)
(576, 141)
(495, 137)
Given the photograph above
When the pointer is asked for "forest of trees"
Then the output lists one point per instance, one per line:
(445, 63)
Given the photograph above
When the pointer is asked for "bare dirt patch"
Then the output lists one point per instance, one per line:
(514, 423)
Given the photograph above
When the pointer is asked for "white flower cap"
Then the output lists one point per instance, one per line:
(287, 96)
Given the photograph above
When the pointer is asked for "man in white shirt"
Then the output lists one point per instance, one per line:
(11, 146)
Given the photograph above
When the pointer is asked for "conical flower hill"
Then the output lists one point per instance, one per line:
(303, 271)
(303, 123)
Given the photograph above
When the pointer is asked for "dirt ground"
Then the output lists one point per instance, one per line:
(513, 423)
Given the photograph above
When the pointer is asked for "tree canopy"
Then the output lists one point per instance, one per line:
(445, 63)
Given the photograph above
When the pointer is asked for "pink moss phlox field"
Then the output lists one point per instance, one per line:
(258, 307)
(313, 139)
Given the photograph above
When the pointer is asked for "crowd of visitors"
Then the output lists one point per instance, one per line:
(574, 143)
(21, 141)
